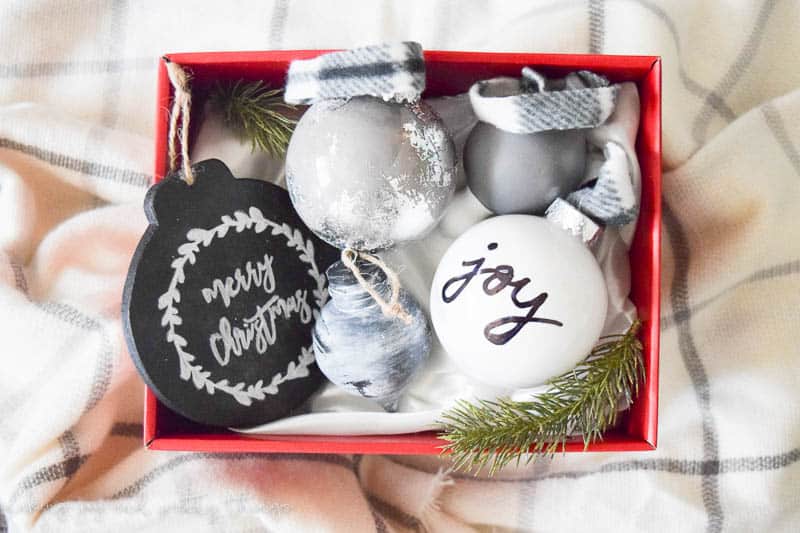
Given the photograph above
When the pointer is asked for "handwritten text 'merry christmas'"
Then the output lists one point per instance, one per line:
(258, 329)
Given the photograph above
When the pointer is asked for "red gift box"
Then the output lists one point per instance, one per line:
(447, 73)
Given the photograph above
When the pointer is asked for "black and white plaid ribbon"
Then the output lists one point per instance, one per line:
(609, 198)
(388, 71)
(534, 103)
(583, 99)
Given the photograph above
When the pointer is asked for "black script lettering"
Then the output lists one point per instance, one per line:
(258, 330)
(520, 321)
(503, 275)
(464, 279)
(258, 275)
(497, 279)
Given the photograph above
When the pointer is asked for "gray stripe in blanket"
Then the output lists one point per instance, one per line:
(104, 366)
(778, 129)
(443, 16)
(100, 381)
(597, 22)
(72, 459)
(527, 497)
(127, 429)
(758, 463)
(382, 507)
(136, 487)
(679, 295)
(693, 86)
(20, 280)
(53, 472)
(76, 68)
(734, 72)
(3, 523)
(69, 445)
(89, 168)
(380, 524)
(111, 45)
(688, 467)
(114, 39)
(277, 24)
(71, 452)
(764, 274)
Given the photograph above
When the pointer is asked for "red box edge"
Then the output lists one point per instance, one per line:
(651, 435)
(654, 112)
(425, 443)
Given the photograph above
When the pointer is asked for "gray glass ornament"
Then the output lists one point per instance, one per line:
(360, 349)
(368, 174)
(523, 173)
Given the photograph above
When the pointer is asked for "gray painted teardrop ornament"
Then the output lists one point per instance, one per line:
(523, 173)
(360, 349)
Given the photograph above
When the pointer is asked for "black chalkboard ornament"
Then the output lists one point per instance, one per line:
(221, 297)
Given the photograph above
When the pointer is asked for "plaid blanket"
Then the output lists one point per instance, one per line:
(76, 114)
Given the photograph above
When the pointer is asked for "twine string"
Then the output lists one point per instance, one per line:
(181, 105)
(392, 308)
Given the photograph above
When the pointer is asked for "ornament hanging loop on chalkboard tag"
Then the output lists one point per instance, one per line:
(181, 110)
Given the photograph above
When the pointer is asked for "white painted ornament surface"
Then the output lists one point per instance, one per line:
(516, 301)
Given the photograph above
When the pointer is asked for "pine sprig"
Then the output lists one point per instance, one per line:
(584, 400)
(256, 113)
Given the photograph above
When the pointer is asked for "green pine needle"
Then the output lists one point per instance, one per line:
(254, 112)
(584, 400)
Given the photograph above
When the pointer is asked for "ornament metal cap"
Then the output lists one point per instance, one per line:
(573, 222)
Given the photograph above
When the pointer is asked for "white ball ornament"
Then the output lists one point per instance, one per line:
(516, 301)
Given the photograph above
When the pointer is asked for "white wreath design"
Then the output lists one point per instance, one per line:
(254, 219)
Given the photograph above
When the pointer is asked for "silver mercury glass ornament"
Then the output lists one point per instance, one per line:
(368, 174)
(369, 165)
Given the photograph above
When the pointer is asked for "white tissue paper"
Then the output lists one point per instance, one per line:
(439, 383)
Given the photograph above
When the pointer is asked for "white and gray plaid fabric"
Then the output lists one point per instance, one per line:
(389, 71)
(77, 106)
(609, 198)
(533, 103)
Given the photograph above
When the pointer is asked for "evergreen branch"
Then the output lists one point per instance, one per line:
(255, 113)
(584, 400)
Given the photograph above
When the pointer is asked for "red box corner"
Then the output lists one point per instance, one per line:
(447, 73)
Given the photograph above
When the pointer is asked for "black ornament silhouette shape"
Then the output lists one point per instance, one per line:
(221, 297)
